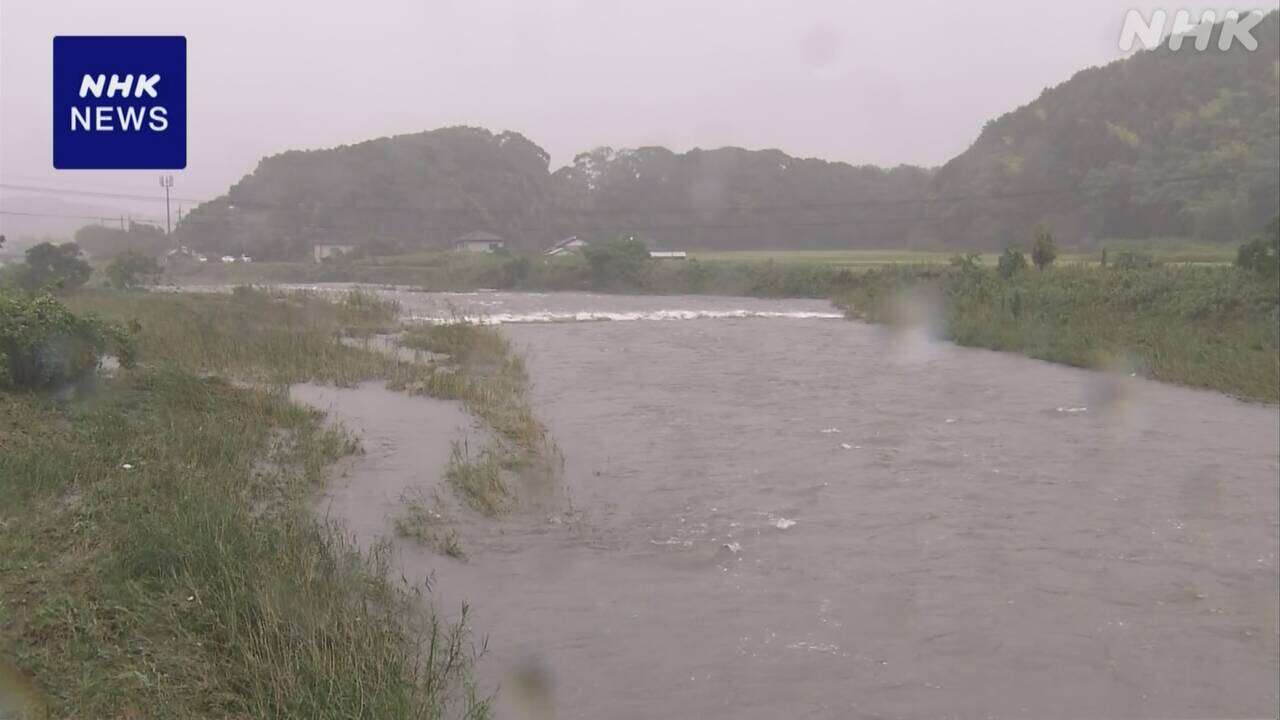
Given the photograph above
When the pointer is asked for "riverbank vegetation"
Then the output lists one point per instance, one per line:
(158, 557)
(1205, 326)
(618, 267)
(1184, 315)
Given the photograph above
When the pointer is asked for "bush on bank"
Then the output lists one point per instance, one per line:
(43, 344)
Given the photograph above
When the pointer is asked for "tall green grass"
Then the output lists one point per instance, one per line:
(253, 334)
(158, 557)
(159, 560)
(1206, 326)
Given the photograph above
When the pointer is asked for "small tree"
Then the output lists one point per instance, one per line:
(1044, 252)
(56, 266)
(1262, 254)
(1011, 262)
(132, 269)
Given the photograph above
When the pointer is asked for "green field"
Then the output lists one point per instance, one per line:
(1172, 251)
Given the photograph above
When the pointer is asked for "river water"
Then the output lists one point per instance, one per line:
(770, 513)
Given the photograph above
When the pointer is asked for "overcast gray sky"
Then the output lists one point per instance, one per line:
(863, 82)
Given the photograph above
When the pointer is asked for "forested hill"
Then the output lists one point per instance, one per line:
(406, 191)
(1161, 144)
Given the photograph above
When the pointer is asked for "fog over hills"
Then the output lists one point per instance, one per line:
(1160, 144)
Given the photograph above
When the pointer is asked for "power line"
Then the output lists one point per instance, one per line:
(65, 216)
(91, 193)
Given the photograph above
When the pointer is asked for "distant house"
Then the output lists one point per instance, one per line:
(568, 245)
(322, 252)
(478, 241)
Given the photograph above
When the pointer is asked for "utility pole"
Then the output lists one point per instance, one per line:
(166, 182)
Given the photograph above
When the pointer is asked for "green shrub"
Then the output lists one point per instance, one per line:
(1011, 262)
(132, 269)
(43, 344)
(1262, 254)
(1045, 250)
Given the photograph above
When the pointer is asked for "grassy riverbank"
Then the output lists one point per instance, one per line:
(1205, 326)
(157, 553)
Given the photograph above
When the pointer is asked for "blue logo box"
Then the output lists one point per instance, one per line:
(119, 103)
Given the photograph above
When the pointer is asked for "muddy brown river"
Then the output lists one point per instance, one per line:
(767, 512)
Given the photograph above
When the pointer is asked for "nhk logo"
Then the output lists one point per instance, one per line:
(1147, 33)
(119, 103)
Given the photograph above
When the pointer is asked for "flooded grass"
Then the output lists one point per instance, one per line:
(490, 378)
(157, 552)
(478, 479)
(427, 523)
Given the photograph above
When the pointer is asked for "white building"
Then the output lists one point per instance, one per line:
(321, 252)
(478, 241)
